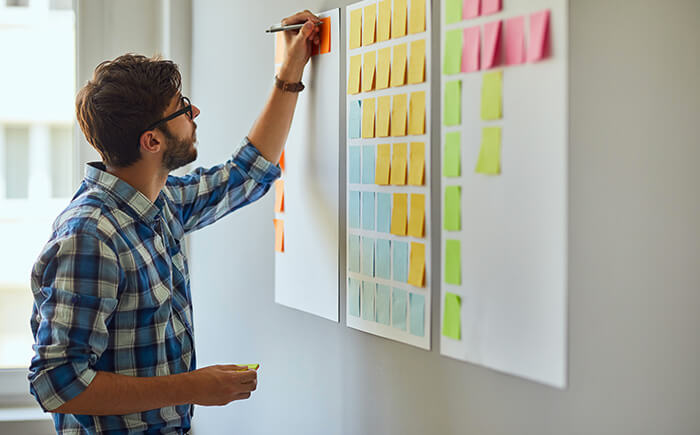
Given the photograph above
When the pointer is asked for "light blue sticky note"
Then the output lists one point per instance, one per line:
(368, 300)
(354, 253)
(398, 309)
(355, 117)
(354, 209)
(368, 211)
(401, 261)
(417, 314)
(355, 156)
(383, 259)
(354, 297)
(368, 164)
(383, 303)
(383, 212)
(367, 256)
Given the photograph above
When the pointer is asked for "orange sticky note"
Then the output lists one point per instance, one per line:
(354, 74)
(398, 164)
(398, 115)
(383, 68)
(398, 67)
(416, 271)
(398, 214)
(416, 121)
(369, 62)
(279, 196)
(416, 21)
(325, 42)
(369, 27)
(355, 28)
(368, 117)
(416, 220)
(281, 163)
(416, 67)
(279, 235)
(383, 113)
(416, 165)
(381, 173)
(279, 48)
(384, 21)
(398, 25)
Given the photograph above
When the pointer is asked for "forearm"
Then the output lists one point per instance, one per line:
(113, 394)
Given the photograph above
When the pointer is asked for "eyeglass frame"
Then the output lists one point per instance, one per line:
(187, 109)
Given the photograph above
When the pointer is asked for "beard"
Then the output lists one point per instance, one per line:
(180, 152)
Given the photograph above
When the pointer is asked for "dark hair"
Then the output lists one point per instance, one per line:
(124, 97)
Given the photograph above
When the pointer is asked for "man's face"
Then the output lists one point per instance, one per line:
(180, 134)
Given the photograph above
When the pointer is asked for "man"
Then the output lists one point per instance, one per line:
(112, 318)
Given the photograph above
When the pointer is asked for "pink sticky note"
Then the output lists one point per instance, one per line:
(470, 49)
(489, 7)
(539, 35)
(491, 55)
(515, 41)
(470, 9)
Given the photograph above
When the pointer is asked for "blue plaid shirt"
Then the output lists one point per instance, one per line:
(112, 289)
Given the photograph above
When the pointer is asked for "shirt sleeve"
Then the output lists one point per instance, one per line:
(75, 292)
(206, 195)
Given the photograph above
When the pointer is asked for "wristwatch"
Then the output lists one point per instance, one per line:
(287, 86)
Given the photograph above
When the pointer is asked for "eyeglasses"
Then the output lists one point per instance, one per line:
(186, 109)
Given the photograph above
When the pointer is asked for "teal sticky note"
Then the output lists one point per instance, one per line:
(417, 314)
(354, 253)
(368, 211)
(400, 261)
(383, 212)
(451, 161)
(367, 256)
(354, 209)
(383, 259)
(453, 52)
(355, 119)
(398, 309)
(354, 159)
(368, 164)
(452, 109)
(354, 297)
(368, 300)
(383, 304)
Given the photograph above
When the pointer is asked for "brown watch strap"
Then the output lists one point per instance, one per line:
(287, 86)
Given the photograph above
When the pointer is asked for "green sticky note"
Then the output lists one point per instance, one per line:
(453, 11)
(452, 112)
(453, 52)
(451, 320)
(452, 208)
(490, 154)
(249, 366)
(491, 96)
(451, 160)
(453, 263)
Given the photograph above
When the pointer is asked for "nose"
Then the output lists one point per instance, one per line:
(195, 111)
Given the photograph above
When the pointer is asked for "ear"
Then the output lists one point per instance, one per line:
(151, 141)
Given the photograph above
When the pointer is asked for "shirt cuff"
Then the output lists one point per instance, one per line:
(59, 385)
(249, 159)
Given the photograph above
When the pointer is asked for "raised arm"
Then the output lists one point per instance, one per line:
(269, 133)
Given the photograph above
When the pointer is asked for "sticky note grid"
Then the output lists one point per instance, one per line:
(388, 169)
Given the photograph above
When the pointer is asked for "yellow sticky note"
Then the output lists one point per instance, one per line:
(416, 271)
(491, 101)
(368, 117)
(398, 67)
(416, 165)
(398, 25)
(354, 78)
(416, 20)
(416, 220)
(398, 164)
(355, 28)
(381, 173)
(398, 116)
(416, 120)
(369, 27)
(384, 21)
(383, 113)
(398, 214)
(490, 154)
(416, 66)
(368, 66)
(383, 68)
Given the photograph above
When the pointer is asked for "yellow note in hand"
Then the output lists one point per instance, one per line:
(384, 21)
(416, 220)
(398, 164)
(416, 166)
(355, 28)
(368, 30)
(416, 121)
(383, 68)
(398, 25)
(369, 62)
(354, 79)
(398, 214)
(398, 116)
(398, 67)
(381, 173)
(383, 113)
(416, 21)
(416, 271)
(416, 66)
(368, 117)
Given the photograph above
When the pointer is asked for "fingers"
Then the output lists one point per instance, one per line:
(300, 17)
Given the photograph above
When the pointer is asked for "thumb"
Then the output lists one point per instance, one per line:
(305, 31)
